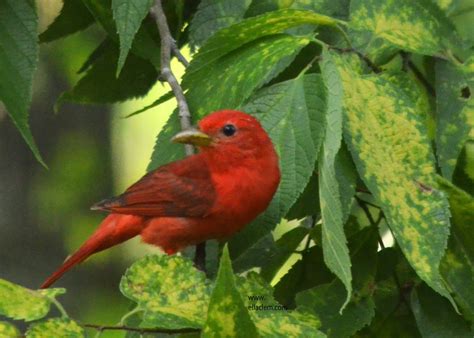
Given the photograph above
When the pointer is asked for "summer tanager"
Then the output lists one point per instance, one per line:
(210, 195)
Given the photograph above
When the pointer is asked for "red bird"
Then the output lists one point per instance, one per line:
(212, 194)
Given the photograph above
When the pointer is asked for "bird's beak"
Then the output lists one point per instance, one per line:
(192, 136)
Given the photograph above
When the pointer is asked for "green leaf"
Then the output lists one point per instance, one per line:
(20, 303)
(388, 142)
(213, 15)
(128, 16)
(146, 43)
(55, 327)
(165, 151)
(272, 319)
(435, 317)
(74, 17)
(307, 203)
(325, 300)
(292, 112)
(455, 111)
(230, 80)
(285, 247)
(235, 36)
(169, 290)
(227, 315)
(416, 26)
(18, 62)
(9, 330)
(100, 84)
(336, 253)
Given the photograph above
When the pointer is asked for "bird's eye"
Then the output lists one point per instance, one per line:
(229, 130)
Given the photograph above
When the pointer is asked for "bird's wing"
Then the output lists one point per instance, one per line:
(179, 189)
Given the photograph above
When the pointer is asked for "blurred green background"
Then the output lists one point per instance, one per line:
(93, 152)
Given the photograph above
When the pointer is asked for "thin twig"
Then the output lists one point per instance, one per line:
(139, 329)
(168, 45)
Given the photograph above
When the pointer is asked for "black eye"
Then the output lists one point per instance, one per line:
(229, 130)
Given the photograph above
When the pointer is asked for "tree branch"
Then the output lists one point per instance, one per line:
(139, 329)
(168, 46)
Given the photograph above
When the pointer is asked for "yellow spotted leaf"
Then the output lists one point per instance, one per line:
(55, 327)
(388, 141)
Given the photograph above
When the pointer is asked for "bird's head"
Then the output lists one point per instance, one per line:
(228, 131)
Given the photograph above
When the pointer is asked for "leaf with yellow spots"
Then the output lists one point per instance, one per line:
(455, 112)
(55, 327)
(230, 80)
(336, 252)
(8, 330)
(416, 26)
(169, 290)
(20, 303)
(272, 319)
(227, 315)
(388, 141)
(235, 36)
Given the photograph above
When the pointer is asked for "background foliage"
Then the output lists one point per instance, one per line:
(369, 105)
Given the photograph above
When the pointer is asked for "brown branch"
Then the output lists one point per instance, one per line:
(168, 46)
(139, 329)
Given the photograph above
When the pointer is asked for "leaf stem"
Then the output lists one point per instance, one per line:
(59, 307)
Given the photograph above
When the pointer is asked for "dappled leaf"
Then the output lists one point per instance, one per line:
(336, 253)
(227, 315)
(55, 327)
(18, 62)
(20, 303)
(235, 36)
(292, 112)
(435, 317)
(8, 330)
(74, 17)
(388, 141)
(416, 26)
(213, 15)
(128, 16)
(169, 290)
(455, 112)
(230, 80)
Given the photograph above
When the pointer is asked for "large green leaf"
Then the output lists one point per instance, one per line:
(18, 62)
(20, 303)
(334, 8)
(230, 80)
(416, 26)
(435, 317)
(455, 111)
(169, 290)
(292, 112)
(388, 142)
(227, 315)
(55, 327)
(100, 84)
(336, 253)
(146, 43)
(128, 16)
(74, 17)
(237, 35)
(213, 15)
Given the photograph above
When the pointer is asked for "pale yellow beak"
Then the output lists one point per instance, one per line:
(192, 136)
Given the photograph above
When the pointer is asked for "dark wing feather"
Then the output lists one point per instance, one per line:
(179, 189)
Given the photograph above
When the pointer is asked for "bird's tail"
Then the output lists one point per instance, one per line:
(113, 230)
